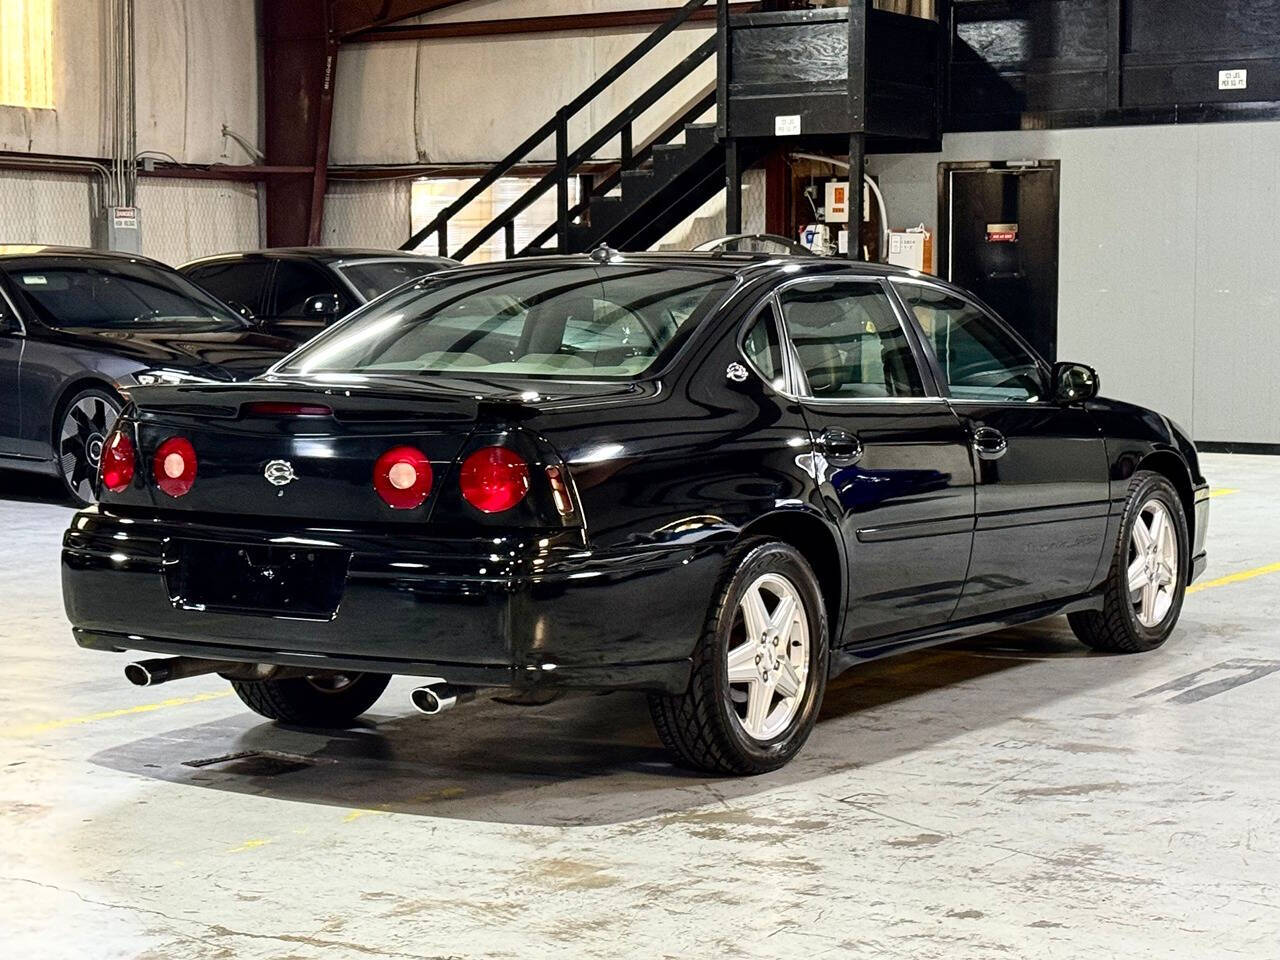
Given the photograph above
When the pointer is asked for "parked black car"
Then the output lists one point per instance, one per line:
(296, 292)
(719, 479)
(80, 329)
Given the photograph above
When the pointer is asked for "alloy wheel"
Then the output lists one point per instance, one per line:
(1153, 563)
(768, 657)
(85, 427)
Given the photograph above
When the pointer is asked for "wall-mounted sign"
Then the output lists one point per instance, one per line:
(786, 125)
(1233, 79)
(1002, 233)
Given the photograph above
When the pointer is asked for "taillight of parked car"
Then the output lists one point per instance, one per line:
(402, 477)
(118, 458)
(494, 479)
(174, 466)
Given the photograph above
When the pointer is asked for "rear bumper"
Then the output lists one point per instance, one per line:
(525, 612)
(1200, 531)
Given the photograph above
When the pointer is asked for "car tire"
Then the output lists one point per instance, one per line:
(1145, 586)
(81, 428)
(332, 700)
(709, 726)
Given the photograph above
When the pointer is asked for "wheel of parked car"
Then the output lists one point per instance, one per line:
(323, 700)
(1148, 576)
(759, 669)
(85, 421)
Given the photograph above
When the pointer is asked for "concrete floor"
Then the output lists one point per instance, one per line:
(1013, 796)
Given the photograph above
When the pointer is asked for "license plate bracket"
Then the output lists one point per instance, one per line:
(300, 582)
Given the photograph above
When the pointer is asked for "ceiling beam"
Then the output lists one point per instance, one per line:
(611, 20)
(348, 17)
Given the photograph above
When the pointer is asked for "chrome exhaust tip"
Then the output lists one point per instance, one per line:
(436, 698)
(148, 673)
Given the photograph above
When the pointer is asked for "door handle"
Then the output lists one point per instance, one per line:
(989, 443)
(840, 447)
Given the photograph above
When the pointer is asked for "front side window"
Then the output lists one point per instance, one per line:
(297, 283)
(240, 283)
(849, 341)
(122, 296)
(980, 360)
(561, 322)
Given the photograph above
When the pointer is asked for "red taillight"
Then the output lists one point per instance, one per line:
(494, 479)
(174, 466)
(273, 409)
(402, 477)
(118, 458)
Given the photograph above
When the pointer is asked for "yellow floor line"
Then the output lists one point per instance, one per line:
(33, 729)
(1224, 492)
(1235, 577)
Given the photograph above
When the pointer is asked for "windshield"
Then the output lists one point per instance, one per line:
(373, 278)
(71, 295)
(580, 322)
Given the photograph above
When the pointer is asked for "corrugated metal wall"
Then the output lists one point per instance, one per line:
(44, 208)
(1168, 239)
(185, 219)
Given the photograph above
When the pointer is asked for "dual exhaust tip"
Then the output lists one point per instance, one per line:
(431, 699)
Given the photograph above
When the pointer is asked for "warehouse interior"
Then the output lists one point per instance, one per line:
(1101, 172)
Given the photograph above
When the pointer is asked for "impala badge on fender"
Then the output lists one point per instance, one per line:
(279, 473)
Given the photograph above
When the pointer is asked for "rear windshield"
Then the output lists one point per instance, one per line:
(561, 322)
(121, 295)
(373, 278)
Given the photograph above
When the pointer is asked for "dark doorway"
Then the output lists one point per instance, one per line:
(998, 236)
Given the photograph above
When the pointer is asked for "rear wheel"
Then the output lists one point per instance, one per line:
(759, 669)
(322, 700)
(83, 425)
(1145, 586)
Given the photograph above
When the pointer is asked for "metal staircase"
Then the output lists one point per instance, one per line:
(655, 185)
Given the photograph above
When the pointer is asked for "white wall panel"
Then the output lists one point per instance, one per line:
(50, 209)
(367, 213)
(197, 68)
(470, 100)
(1165, 280)
(185, 219)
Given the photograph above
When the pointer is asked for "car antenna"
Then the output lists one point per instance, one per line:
(603, 253)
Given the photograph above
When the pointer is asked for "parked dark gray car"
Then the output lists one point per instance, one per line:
(295, 292)
(79, 329)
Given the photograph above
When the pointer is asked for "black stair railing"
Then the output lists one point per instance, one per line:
(567, 161)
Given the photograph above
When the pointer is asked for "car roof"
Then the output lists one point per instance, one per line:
(23, 251)
(316, 254)
(745, 265)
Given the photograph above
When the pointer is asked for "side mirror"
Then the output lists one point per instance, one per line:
(323, 306)
(1074, 382)
(241, 309)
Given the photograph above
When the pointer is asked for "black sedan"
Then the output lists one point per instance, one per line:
(296, 292)
(719, 479)
(80, 329)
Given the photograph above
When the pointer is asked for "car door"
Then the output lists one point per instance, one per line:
(297, 289)
(1041, 466)
(891, 457)
(12, 344)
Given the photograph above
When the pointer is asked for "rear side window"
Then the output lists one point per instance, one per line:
(240, 283)
(564, 322)
(763, 347)
(849, 341)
